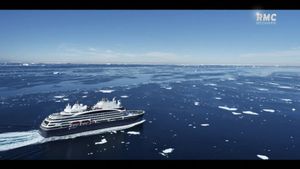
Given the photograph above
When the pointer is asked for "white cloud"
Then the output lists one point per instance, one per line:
(108, 51)
(92, 49)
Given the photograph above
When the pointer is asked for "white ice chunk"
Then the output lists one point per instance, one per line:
(84, 96)
(124, 96)
(106, 91)
(59, 97)
(196, 103)
(293, 109)
(263, 157)
(227, 108)
(65, 99)
(205, 125)
(103, 141)
(250, 112)
(168, 150)
(269, 110)
(287, 100)
(56, 73)
(168, 88)
(262, 89)
(218, 98)
(133, 132)
(211, 84)
(285, 87)
(235, 113)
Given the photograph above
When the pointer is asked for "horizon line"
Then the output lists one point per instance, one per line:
(154, 64)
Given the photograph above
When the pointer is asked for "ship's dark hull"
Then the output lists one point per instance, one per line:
(91, 127)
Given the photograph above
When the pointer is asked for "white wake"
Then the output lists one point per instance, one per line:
(13, 140)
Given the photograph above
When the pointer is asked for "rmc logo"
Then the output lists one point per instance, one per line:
(266, 18)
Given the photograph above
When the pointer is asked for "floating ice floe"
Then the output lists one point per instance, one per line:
(231, 78)
(168, 88)
(269, 110)
(196, 103)
(263, 157)
(285, 87)
(56, 73)
(133, 132)
(25, 64)
(65, 99)
(194, 85)
(218, 98)
(235, 113)
(250, 112)
(167, 151)
(103, 141)
(59, 97)
(84, 96)
(205, 125)
(227, 108)
(211, 84)
(287, 100)
(106, 91)
(124, 96)
(262, 89)
(293, 109)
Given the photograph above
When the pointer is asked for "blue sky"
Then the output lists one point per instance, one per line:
(149, 36)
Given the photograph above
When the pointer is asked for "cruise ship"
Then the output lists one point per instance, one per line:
(107, 115)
